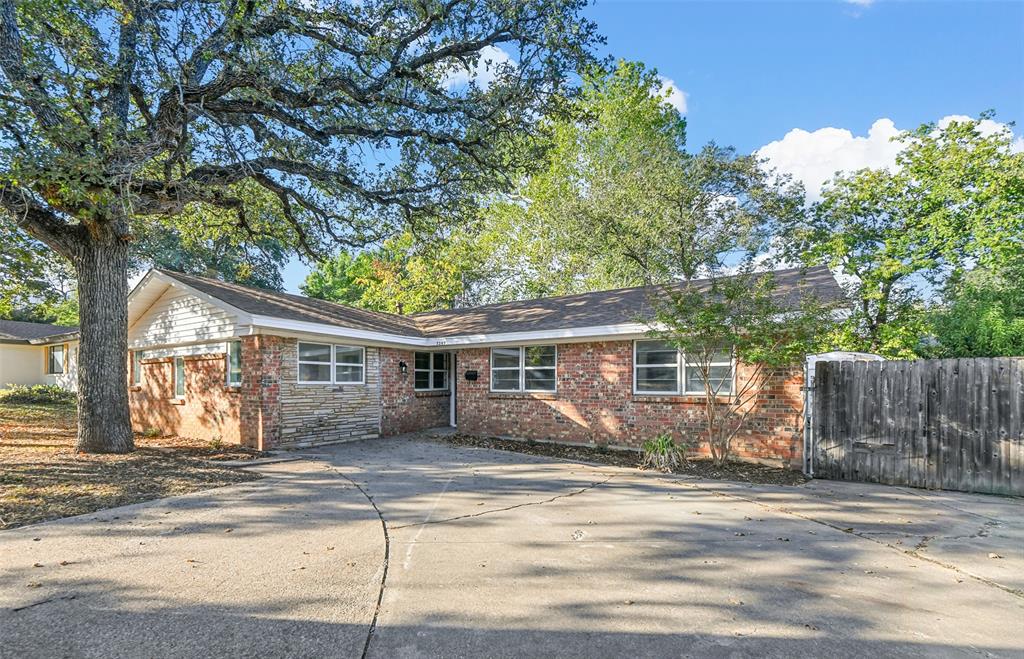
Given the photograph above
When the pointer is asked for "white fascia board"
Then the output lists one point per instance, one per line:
(305, 327)
(625, 330)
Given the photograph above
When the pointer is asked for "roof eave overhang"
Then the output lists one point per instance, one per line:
(270, 324)
(55, 338)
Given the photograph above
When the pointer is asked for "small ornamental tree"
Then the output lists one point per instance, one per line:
(746, 317)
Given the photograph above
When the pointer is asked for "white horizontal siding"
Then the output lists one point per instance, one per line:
(179, 317)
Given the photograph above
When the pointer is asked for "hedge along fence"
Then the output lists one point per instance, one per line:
(953, 424)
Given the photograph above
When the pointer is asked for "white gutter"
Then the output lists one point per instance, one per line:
(387, 338)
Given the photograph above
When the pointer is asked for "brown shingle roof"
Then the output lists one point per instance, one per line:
(17, 331)
(600, 308)
(262, 302)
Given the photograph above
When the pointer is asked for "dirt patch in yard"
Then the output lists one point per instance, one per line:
(42, 478)
(744, 472)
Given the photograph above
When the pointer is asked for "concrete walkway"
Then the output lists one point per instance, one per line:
(499, 554)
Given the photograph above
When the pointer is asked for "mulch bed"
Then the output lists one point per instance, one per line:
(744, 472)
(43, 478)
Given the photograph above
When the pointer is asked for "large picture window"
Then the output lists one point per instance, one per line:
(430, 371)
(234, 363)
(524, 368)
(323, 363)
(54, 360)
(659, 368)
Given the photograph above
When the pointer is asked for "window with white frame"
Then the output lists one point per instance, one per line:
(524, 368)
(136, 367)
(55, 360)
(719, 376)
(349, 365)
(315, 363)
(234, 363)
(655, 367)
(659, 368)
(179, 377)
(430, 371)
(323, 363)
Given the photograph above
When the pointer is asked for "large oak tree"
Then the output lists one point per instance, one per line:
(310, 121)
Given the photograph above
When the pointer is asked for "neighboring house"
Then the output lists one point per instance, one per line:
(226, 362)
(37, 353)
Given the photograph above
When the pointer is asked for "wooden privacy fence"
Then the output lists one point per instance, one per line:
(953, 424)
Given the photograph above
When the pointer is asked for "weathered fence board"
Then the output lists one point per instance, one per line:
(953, 424)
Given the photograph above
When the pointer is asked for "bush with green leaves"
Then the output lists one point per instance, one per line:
(662, 453)
(37, 394)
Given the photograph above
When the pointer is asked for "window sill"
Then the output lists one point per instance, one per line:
(135, 387)
(436, 393)
(233, 388)
(677, 398)
(536, 395)
(177, 401)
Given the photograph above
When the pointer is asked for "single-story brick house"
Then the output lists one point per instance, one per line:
(221, 361)
(38, 353)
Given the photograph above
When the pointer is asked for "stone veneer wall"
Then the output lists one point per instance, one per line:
(210, 409)
(595, 404)
(318, 413)
(403, 409)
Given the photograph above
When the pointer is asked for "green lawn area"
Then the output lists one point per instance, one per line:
(42, 477)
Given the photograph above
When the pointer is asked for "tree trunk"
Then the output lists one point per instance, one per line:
(104, 420)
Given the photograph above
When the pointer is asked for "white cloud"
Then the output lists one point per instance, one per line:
(672, 94)
(860, 3)
(815, 157)
(484, 72)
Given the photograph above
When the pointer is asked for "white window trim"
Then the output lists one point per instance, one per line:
(63, 358)
(227, 363)
(136, 367)
(680, 389)
(522, 368)
(636, 380)
(731, 363)
(174, 379)
(333, 363)
(431, 370)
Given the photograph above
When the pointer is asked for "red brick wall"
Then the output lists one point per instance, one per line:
(595, 404)
(403, 409)
(210, 410)
(260, 408)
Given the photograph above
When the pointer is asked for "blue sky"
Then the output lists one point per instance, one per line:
(825, 84)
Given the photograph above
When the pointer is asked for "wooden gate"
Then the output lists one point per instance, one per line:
(953, 424)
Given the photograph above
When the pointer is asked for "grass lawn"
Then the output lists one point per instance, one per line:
(41, 476)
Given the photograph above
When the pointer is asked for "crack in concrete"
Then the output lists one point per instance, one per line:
(46, 601)
(915, 553)
(483, 513)
(387, 536)
(387, 557)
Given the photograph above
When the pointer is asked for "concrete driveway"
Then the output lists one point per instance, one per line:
(408, 548)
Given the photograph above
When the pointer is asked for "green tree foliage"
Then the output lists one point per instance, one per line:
(744, 315)
(621, 202)
(955, 199)
(983, 316)
(403, 275)
(36, 284)
(314, 123)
